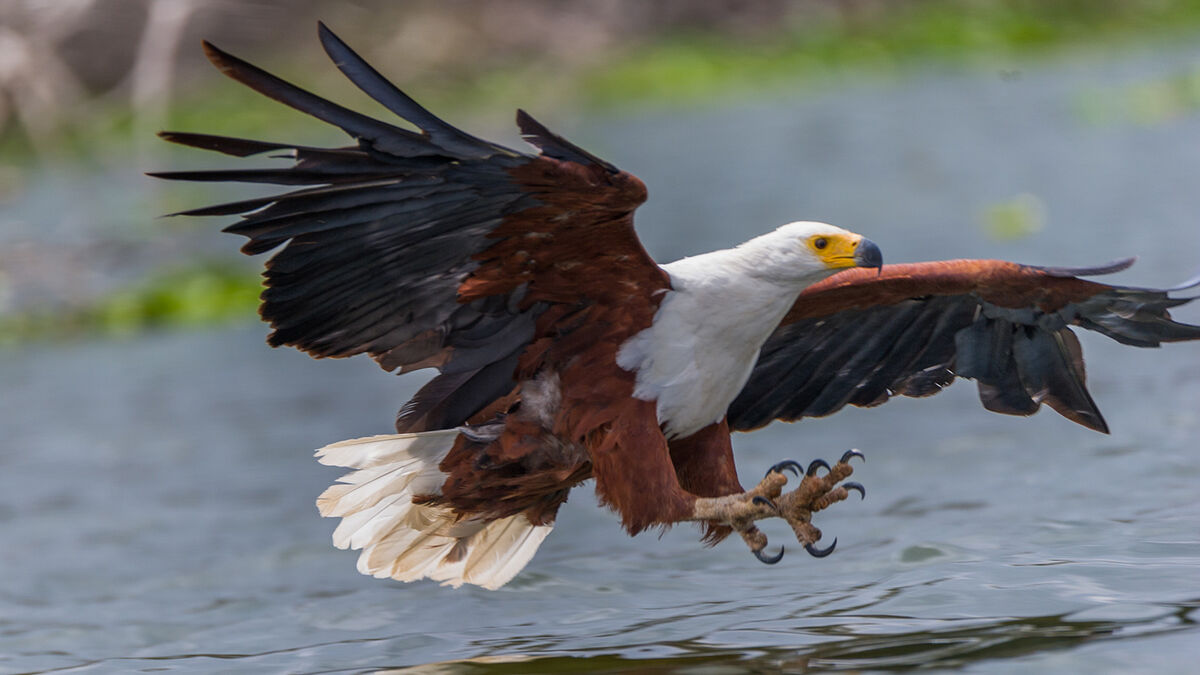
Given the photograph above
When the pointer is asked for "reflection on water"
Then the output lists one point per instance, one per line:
(156, 496)
(995, 640)
(943, 648)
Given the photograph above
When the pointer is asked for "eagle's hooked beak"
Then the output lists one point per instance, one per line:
(868, 255)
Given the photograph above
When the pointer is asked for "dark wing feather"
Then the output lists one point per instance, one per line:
(860, 337)
(425, 248)
(445, 136)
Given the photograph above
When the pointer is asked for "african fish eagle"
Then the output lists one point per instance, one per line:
(564, 352)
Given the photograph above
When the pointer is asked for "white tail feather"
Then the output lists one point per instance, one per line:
(407, 541)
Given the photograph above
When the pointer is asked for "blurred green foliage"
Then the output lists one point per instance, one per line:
(683, 68)
(1015, 218)
(694, 66)
(200, 294)
(1148, 102)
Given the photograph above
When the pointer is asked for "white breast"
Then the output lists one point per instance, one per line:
(699, 352)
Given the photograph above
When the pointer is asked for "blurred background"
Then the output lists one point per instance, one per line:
(156, 488)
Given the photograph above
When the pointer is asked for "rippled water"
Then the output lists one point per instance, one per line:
(156, 496)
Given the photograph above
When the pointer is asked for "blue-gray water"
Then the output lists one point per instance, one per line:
(156, 495)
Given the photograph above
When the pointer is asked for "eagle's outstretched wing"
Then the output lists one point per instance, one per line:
(430, 247)
(859, 338)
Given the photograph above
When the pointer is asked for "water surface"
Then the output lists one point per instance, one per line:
(156, 495)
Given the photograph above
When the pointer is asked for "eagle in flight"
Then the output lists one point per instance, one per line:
(564, 352)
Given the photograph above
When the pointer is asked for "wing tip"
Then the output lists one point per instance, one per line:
(233, 67)
(552, 145)
(1110, 267)
(326, 36)
(216, 55)
(1187, 285)
(1091, 419)
(331, 43)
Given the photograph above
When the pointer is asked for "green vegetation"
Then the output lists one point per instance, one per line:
(712, 66)
(683, 68)
(201, 294)
(1150, 102)
(1016, 218)
(950, 31)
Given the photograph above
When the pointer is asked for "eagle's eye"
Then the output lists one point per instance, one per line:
(820, 243)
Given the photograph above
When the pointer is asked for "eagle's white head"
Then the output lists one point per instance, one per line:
(805, 252)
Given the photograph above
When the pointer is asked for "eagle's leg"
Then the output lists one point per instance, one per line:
(767, 500)
(694, 479)
(739, 511)
(816, 493)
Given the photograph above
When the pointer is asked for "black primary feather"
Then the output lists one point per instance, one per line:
(371, 250)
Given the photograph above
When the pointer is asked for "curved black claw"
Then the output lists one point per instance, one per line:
(771, 560)
(791, 464)
(759, 499)
(853, 485)
(852, 453)
(819, 552)
(814, 465)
